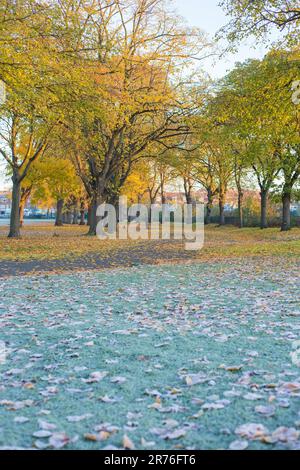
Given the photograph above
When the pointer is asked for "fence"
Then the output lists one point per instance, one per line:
(253, 221)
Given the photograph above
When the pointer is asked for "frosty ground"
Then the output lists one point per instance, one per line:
(188, 356)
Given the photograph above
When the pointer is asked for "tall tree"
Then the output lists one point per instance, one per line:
(290, 165)
(31, 60)
(261, 17)
(136, 77)
(263, 117)
(56, 180)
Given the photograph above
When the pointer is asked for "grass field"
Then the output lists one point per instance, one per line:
(44, 242)
(152, 357)
(199, 350)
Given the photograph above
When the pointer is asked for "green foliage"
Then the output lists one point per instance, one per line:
(260, 18)
(54, 179)
(259, 113)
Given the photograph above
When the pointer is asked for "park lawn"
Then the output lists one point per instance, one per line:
(45, 242)
(195, 355)
(169, 357)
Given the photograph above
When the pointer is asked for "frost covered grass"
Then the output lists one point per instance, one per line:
(167, 357)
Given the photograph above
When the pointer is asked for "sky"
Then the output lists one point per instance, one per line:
(208, 16)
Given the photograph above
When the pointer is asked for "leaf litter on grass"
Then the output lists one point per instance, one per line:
(190, 356)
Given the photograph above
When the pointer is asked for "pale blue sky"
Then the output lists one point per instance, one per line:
(207, 15)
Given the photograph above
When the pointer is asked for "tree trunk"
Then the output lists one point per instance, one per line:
(82, 219)
(25, 193)
(162, 190)
(75, 216)
(89, 215)
(82, 214)
(221, 209)
(286, 211)
(240, 208)
(69, 217)
(263, 208)
(188, 196)
(209, 207)
(93, 217)
(188, 190)
(22, 208)
(222, 214)
(114, 201)
(14, 231)
(59, 214)
(152, 202)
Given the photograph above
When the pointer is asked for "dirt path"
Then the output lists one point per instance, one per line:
(150, 253)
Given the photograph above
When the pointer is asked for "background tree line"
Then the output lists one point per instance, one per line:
(104, 98)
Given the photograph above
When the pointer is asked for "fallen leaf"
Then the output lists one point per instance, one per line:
(252, 431)
(127, 443)
(239, 445)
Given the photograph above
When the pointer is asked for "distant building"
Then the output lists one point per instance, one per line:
(5, 203)
(200, 195)
(295, 208)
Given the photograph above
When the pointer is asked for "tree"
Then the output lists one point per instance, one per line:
(153, 181)
(240, 169)
(136, 185)
(204, 173)
(31, 184)
(54, 181)
(281, 127)
(234, 161)
(63, 183)
(30, 61)
(261, 17)
(136, 78)
(215, 156)
(24, 142)
(263, 117)
(183, 163)
(24, 25)
(290, 165)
